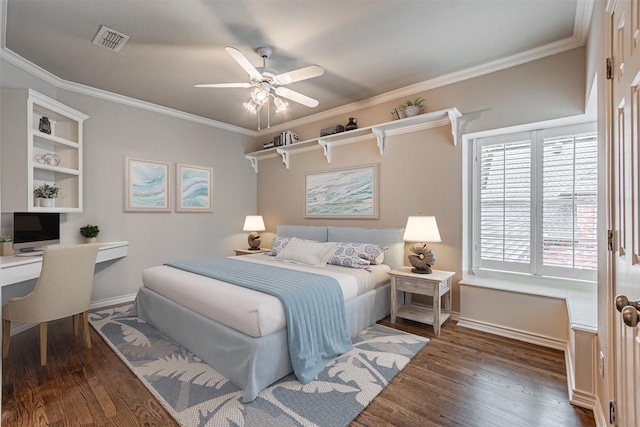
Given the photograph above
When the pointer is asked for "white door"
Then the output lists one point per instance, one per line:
(624, 202)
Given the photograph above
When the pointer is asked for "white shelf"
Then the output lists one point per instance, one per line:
(25, 146)
(448, 116)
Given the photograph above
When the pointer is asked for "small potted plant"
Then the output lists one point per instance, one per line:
(46, 193)
(412, 108)
(90, 232)
(6, 245)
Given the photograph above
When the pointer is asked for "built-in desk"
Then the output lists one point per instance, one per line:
(19, 269)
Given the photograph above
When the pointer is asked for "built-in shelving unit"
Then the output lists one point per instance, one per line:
(448, 116)
(32, 157)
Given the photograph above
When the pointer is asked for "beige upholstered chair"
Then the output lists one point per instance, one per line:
(63, 289)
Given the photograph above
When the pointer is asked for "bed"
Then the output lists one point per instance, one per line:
(239, 343)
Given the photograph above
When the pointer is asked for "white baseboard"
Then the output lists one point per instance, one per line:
(515, 334)
(17, 327)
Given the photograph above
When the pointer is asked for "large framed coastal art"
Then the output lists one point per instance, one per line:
(146, 186)
(342, 193)
(193, 188)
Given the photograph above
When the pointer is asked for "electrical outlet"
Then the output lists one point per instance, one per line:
(601, 364)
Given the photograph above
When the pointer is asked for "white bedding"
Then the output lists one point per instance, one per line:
(251, 312)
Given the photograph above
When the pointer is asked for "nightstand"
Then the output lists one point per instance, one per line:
(249, 251)
(436, 285)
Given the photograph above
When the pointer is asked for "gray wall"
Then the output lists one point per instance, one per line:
(114, 131)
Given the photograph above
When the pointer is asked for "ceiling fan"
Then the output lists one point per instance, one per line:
(266, 80)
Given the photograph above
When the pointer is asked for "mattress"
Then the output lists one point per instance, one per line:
(251, 312)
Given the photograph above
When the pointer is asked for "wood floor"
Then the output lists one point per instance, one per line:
(461, 378)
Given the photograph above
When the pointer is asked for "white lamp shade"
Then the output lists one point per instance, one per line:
(253, 223)
(421, 229)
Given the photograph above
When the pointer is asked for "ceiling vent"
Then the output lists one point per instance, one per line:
(110, 39)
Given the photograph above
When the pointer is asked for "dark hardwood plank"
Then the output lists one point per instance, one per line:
(462, 378)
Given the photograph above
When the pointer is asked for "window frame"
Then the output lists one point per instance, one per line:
(534, 270)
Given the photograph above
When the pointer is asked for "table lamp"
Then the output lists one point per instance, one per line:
(422, 229)
(253, 223)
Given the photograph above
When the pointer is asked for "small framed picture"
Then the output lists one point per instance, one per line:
(146, 186)
(194, 188)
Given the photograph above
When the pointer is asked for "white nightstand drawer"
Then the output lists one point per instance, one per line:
(415, 286)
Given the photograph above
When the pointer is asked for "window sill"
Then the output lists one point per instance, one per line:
(582, 301)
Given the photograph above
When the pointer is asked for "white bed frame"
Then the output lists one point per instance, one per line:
(254, 363)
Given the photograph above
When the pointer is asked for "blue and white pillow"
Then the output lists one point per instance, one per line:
(357, 255)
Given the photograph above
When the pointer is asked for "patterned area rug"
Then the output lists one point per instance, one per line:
(197, 395)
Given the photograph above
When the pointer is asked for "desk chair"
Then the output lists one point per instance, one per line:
(63, 289)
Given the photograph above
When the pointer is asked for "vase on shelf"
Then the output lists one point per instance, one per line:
(6, 249)
(91, 240)
(46, 203)
(45, 125)
(353, 124)
(412, 110)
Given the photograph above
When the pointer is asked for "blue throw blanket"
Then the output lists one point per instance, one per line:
(313, 306)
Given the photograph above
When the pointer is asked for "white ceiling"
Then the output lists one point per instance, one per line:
(367, 48)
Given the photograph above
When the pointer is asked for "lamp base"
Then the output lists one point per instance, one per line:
(254, 241)
(253, 249)
(419, 271)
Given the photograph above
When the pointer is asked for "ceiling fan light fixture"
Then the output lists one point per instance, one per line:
(280, 105)
(259, 96)
(252, 107)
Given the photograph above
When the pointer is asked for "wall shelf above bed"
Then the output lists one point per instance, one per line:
(448, 116)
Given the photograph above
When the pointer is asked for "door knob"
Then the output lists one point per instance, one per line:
(629, 310)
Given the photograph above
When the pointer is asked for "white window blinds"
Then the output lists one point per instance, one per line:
(535, 202)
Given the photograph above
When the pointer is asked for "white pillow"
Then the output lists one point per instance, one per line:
(310, 253)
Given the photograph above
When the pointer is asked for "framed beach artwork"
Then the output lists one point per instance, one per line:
(146, 186)
(342, 193)
(193, 188)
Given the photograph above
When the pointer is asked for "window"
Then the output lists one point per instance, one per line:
(535, 202)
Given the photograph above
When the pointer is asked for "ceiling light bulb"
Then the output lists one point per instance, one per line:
(259, 96)
(280, 106)
(251, 106)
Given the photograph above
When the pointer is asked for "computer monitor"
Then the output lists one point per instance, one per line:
(33, 231)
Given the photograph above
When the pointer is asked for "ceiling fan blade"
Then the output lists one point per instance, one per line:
(244, 85)
(299, 74)
(244, 62)
(296, 96)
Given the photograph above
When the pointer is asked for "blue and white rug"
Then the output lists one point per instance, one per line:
(197, 395)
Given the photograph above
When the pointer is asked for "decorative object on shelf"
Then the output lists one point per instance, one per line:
(45, 125)
(423, 229)
(353, 124)
(285, 138)
(342, 193)
(46, 193)
(412, 108)
(194, 188)
(146, 185)
(331, 130)
(253, 223)
(90, 232)
(51, 159)
(6, 245)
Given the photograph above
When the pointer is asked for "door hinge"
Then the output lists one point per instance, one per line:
(612, 413)
(609, 68)
(610, 240)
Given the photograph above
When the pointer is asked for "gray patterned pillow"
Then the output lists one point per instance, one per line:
(357, 255)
